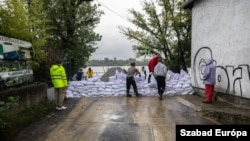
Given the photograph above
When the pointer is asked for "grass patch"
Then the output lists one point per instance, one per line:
(15, 122)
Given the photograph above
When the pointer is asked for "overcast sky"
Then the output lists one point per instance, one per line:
(113, 43)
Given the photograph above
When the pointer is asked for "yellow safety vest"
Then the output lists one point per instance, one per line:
(58, 76)
(90, 73)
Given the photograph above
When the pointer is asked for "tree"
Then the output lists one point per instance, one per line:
(14, 20)
(39, 26)
(162, 28)
(73, 22)
(26, 20)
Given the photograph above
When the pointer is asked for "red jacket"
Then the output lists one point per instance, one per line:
(152, 63)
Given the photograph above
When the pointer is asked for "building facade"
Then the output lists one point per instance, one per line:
(221, 30)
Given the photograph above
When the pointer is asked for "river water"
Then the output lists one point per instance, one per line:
(100, 70)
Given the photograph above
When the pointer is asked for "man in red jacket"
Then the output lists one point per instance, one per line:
(151, 65)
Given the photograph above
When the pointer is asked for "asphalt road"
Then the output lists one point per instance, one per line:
(115, 119)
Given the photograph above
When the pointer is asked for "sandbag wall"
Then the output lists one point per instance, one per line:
(176, 84)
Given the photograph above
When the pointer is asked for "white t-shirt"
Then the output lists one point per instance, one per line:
(160, 69)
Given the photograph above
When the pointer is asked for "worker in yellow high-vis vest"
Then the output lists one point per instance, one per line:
(59, 81)
(90, 73)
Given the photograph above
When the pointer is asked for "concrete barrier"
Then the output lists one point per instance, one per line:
(28, 95)
(240, 102)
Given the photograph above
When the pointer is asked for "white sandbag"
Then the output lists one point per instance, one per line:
(143, 77)
(114, 87)
(139, 85)
(121, 76)
(186, 86)
(122, 88)
(137, 78)
(176, 84)
(70, 88)
(169, 93)
(83, 94)
(112, 78)
(108, 90)
(69, 94)
(184, 74)
(153, 83)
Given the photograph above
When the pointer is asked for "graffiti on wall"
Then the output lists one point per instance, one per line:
(234, 80)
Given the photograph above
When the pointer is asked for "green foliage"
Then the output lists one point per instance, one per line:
(73, 23)
(12, 102)
(12, 124)
(66, 26)
(14, 19)
(162, 28)
(7, 108)
(39, 27)
(26, 20)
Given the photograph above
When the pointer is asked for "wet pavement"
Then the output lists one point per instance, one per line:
(121, 119)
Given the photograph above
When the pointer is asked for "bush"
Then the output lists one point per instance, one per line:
(6, 109)
(11, 122)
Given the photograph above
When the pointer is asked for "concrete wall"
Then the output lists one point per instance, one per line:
(28, 95)
(221, 30)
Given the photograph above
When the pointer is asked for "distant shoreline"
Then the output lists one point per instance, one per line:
(114, 63)
(100, 70)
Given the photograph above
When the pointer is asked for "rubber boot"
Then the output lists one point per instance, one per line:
(161, 96)
(136, 93)
(128, 95)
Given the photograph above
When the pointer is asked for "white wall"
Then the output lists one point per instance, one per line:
(221, 30)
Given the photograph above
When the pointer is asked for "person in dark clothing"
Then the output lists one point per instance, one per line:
(130, 79)
(79, 75)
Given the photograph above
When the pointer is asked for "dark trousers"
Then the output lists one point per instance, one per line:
(150, 73)
(78, 78)
(161, 84)
(131, 81)
(149, 77)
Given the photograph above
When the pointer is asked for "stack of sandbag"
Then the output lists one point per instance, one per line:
(176, 84)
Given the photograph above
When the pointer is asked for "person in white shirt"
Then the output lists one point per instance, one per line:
(160, 72)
